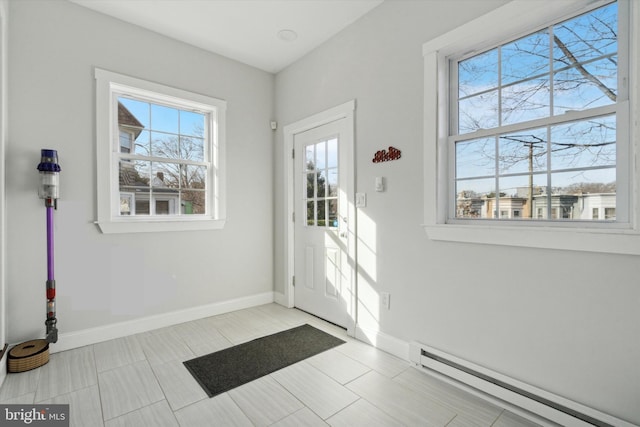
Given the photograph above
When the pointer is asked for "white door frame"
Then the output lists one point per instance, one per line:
(346, 110)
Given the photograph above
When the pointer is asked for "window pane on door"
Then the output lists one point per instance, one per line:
(332, 153)
(321, 177)
(321, 152)
(320, 212)
(311, 216)
(311, 187)
(333, 213)
(332, 182)
(321, 181)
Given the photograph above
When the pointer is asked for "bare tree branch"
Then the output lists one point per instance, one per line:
(586, 74)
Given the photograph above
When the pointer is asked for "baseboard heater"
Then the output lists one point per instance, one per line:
(544, 404)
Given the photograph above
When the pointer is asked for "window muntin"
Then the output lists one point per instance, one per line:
(515, 139)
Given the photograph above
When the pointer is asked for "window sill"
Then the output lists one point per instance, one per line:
(589, 240)
(158, 225)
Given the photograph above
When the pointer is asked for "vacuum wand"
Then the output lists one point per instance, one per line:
(49, 191)
(52, 331)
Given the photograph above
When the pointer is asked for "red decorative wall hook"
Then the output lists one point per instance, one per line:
(386, 156)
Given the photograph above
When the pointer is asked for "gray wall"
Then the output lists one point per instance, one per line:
(567, 322)
(3, 126)
(105, 279)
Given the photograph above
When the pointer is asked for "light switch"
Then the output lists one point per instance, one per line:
(379, 183)
(361, 200)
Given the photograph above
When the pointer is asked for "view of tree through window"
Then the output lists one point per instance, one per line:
(321, 192)
(534, 134)
(162, 167)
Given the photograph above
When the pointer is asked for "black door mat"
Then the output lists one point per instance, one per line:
(232, 367)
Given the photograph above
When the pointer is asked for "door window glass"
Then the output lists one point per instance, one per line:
(321, 177)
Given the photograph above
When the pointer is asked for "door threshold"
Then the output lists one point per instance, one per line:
(320, 318)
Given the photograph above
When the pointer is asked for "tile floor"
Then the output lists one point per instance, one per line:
(140, 381)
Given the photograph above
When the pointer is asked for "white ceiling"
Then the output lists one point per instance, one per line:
(244, 30)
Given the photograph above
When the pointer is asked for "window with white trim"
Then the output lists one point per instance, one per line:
(534, 120)
(160, 157)
(476, 158)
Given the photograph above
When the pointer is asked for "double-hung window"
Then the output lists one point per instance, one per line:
(160, 157)
(533, 129)
(534, 120)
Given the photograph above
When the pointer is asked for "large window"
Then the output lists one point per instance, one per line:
(528, 136)
(160, 163)
(534, 122)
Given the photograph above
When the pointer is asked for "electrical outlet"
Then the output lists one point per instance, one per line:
(385, 300)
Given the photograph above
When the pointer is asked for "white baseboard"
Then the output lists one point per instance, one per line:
(384, 342)
(70, 340)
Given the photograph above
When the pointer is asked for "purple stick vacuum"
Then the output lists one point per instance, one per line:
(49, 191)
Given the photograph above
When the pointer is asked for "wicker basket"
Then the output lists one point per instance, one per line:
(28, 355)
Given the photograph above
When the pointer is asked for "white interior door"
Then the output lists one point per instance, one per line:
(322, 269)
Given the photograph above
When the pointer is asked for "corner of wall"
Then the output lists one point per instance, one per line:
(4, 6)
(280, 298)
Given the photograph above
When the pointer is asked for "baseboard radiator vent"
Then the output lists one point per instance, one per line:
(531, 399)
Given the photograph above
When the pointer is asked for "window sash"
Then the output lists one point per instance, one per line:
(118, 156)
(449, 70)
(623, 167)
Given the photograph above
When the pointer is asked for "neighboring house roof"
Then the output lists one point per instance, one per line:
(131, 180)
(129, 176)
(125, 118)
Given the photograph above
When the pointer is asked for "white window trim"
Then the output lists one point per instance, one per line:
(580, 237)
(108, 219)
